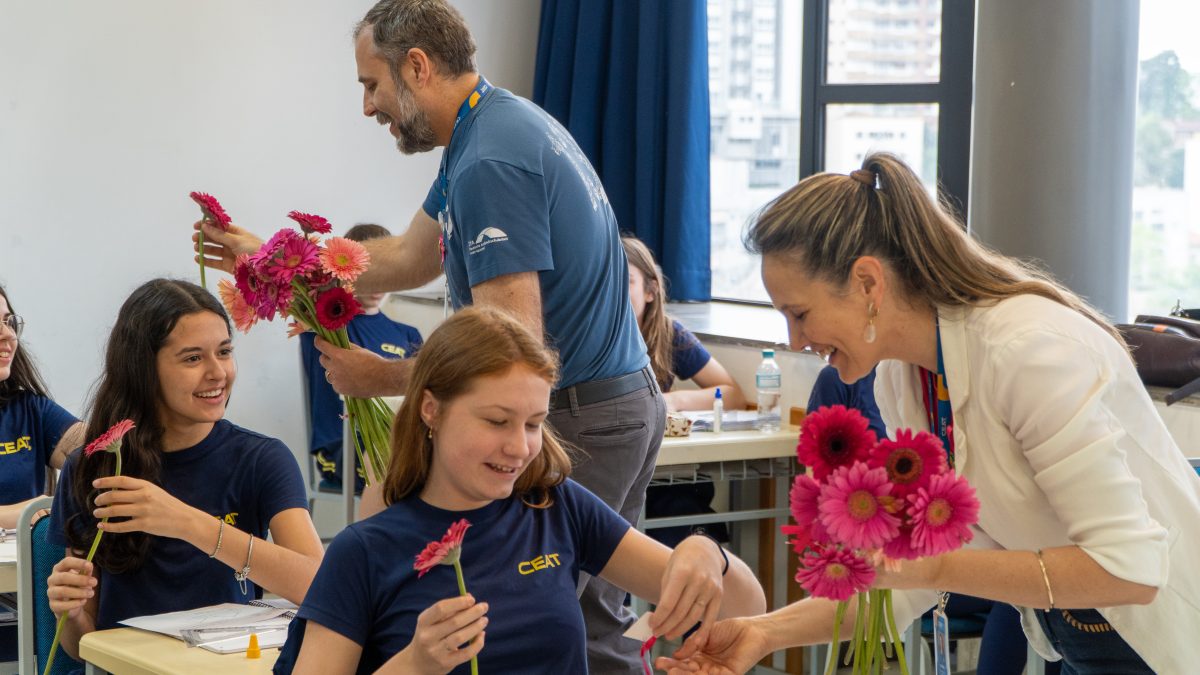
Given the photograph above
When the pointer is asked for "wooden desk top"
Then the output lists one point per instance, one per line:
(8, 566)
(704, 446)
(129, 651)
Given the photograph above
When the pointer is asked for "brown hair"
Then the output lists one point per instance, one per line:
(656, 327)
(23, 374)
(366, 232)
(433, 26)
(829, 220)
(475, 342)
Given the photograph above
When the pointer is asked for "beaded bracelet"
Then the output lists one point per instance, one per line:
(220, 533)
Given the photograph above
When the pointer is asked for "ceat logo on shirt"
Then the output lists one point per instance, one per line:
(489, 236)
(392, 349)
(539, 563)
(13, 447)
(229, 518)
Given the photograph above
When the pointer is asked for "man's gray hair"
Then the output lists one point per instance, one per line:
(434, 26)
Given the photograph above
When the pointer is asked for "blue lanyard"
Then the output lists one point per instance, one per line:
(468, 104)
(937, 402)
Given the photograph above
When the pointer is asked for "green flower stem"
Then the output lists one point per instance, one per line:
(838, 617)
(896, 638)
(462, 590)
(855, 649)
(62, 620)
(200, 243)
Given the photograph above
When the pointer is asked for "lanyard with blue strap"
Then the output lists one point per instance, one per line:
(468, 104)
(936, 396)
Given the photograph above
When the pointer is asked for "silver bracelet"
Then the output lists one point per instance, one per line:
(220, 533)
(245, 572)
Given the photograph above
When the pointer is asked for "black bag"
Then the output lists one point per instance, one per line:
(1166, 350)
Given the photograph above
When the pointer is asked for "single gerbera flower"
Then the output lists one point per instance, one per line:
(834, 573)
(109, 441)
(941, 515)
(297, 256)
(802, 499)
(910, 461)
(443, 552)
(831, 437)
(212, 210)
(336, 307)
(344, 259)
(240, 311)
(852, 506)
(310, 223)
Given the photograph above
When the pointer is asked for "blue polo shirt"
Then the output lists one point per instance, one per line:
(30, 428)
(238, 475)
(522, 197)
(524, 562)
(830, 390)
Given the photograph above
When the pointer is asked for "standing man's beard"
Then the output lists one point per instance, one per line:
(412, 124)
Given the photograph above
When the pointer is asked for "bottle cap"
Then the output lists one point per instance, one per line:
(718, 392)
(253, 652)
(768, 353)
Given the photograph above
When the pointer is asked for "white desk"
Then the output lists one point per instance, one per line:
(8, 566)
(129, 651)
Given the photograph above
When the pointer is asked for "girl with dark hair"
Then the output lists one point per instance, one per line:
(35, 432)
(470, 442)
(190, 514)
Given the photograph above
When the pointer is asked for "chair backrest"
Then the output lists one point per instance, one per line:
(36, 558)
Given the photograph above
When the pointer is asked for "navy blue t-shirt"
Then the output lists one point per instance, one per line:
(830, 390)
(376, 332)
(522, 197)
(235, 474)
(524, 562)
(688, 356)
(30, 428)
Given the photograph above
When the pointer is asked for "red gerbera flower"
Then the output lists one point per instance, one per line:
(212, 209)
(911, 460)
(444, 552)
(310, 223)
(109, 441)
(835, 573)
(336, 307)
(831, 437)
(942, 514)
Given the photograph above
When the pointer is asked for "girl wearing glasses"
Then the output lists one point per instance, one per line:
(35, 432)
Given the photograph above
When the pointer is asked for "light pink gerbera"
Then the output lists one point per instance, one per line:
(853, 506)
(296, 257)
(833, 436)
(344, 258)
(941, 515)
(240, 311)
(443, 552)
(109, 441)
(910, 460)
(834, 573)
(310, 223)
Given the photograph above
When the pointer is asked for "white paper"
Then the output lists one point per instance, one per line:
(227, 615)
(640, 630)
(266, 640)
(8, 550)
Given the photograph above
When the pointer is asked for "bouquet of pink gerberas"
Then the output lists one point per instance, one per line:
(865, 503)
(309, 280)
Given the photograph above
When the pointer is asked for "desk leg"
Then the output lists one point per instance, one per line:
(91, 669)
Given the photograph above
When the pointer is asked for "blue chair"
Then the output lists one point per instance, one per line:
(35, 622)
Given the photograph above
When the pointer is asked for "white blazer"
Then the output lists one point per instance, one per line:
(1059, 438)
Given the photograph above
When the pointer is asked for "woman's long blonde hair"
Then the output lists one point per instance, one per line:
(656, 327)
(475, 342)
(830, 220)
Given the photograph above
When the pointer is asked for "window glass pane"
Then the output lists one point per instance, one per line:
(910, 131)
(1165, 240)
(754, 94)
(884, 41)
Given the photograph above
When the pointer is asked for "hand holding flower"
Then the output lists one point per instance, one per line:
(221, 248)
(448, 633)
(692, 590)
(70, 586)
(354, 371)
(147, 507)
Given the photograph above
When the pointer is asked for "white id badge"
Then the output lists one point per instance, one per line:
(941, 643)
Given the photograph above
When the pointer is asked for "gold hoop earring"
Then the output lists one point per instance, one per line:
(869, 331)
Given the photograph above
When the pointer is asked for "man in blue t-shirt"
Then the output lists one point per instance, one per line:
(518, 219)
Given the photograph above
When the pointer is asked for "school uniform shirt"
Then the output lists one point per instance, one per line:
(1059, 438)
(524, 562)
(830, 390)
(30, 428)
(375, 332)
(688, 356)
(234, 474)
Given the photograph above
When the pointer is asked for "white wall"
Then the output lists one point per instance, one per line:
(110, 113)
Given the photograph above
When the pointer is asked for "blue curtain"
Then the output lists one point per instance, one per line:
(629, 80)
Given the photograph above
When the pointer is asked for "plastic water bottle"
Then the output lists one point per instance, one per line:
(768, 381)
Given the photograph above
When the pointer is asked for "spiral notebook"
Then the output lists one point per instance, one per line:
(224, 628)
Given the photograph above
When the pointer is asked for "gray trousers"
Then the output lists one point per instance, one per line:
(619, 439)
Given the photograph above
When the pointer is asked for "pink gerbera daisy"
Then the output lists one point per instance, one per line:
(831, 437)
(212, 209)
(835, 573)
(941, 515)
(109, 441)
(853, 505)
(297, 256)
(344, 258)
(910, 460)
(443, 552)
(336, 307)
(310, 223)
(900, 547)
(235, 303)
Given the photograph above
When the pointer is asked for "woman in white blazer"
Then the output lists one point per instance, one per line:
(1090, 514)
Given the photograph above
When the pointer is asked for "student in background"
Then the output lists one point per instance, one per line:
(35, 432)
(471, 442)
(675, 353)
(198, 495)
(372, 330)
